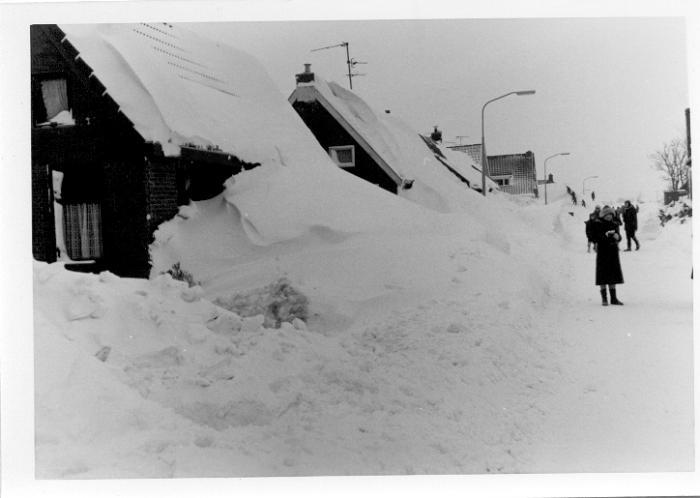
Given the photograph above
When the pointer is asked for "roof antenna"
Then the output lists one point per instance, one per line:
(351, 62)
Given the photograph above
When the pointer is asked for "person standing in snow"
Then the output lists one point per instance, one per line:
(589, 227)
(608, 271)
(629, 215)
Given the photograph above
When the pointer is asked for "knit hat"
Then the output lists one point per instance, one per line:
(597, 206)
(607, 210)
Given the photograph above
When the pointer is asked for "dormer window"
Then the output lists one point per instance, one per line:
(50, 102)
(343, 156)
(502, 180)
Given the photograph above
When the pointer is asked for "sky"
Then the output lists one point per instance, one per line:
(611, 78)
(610, 91)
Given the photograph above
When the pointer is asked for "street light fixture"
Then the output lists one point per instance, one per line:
(545, 173)
(484, 160)
(584, 185)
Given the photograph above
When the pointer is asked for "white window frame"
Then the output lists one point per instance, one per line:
(508, 180)
(332, 152)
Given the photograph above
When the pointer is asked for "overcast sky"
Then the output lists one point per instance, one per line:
(611, 77)
(610, 91)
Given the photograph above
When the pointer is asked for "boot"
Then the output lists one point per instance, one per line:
(638, 244)
(604, 294)
(613, 298)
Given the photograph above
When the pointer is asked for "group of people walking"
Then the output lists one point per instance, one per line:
(603, 232)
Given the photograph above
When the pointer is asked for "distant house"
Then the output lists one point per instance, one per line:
(101, 179)
(374, 146)
(514, 173)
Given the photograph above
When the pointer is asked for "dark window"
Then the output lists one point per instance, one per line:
(82, 231)
(50, 101)
(81, 195)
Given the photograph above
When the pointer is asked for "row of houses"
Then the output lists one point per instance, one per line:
(107, 169)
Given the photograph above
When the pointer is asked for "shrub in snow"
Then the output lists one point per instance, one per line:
(278, 302)
(681, 209)
(179, 274)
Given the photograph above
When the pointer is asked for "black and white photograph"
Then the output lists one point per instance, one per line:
(382, 248)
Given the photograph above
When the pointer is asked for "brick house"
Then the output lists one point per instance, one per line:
(514, 173)
(376, 146)
(116, 183)
(349, 148)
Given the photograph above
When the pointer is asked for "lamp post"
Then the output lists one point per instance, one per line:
(484, 160)
(584, 185)
(545, 173)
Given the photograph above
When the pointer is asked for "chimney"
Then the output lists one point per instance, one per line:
(307, 76)
(436, 135)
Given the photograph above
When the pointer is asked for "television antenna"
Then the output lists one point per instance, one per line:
(351, 62)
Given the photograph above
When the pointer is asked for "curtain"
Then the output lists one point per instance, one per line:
(82, 225)
(55, 93)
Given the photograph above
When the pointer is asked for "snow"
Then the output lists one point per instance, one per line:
(463, 340)
(473, 352)
(405, 152)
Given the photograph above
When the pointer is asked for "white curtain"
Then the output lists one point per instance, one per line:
(82, 225)
(55, 93)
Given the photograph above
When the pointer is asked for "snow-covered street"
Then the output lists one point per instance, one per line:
(626, 404)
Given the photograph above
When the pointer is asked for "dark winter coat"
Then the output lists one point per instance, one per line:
(607, 266)
(630, 218)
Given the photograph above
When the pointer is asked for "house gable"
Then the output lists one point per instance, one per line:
(331, 129)
(519, 169)
(105, 165)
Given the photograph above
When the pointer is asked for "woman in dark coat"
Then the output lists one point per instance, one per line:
(608, 272)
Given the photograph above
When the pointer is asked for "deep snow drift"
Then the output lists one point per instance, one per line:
(429, 351)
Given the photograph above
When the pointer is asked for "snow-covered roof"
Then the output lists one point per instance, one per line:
(179, 88)
(398, 149)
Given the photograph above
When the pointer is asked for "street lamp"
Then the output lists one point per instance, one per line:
(484, 160)
(584, 185)
(545, 173)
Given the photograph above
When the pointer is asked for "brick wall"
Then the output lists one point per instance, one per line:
(162, 191)
(43, 231)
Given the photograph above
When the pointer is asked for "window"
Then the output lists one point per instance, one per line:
(502, 181)
(82, 231)
(343, 156)
(50, 102)
(81, 196)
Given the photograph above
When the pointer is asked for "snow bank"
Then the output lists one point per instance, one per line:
(423, 353)
(138, 379)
